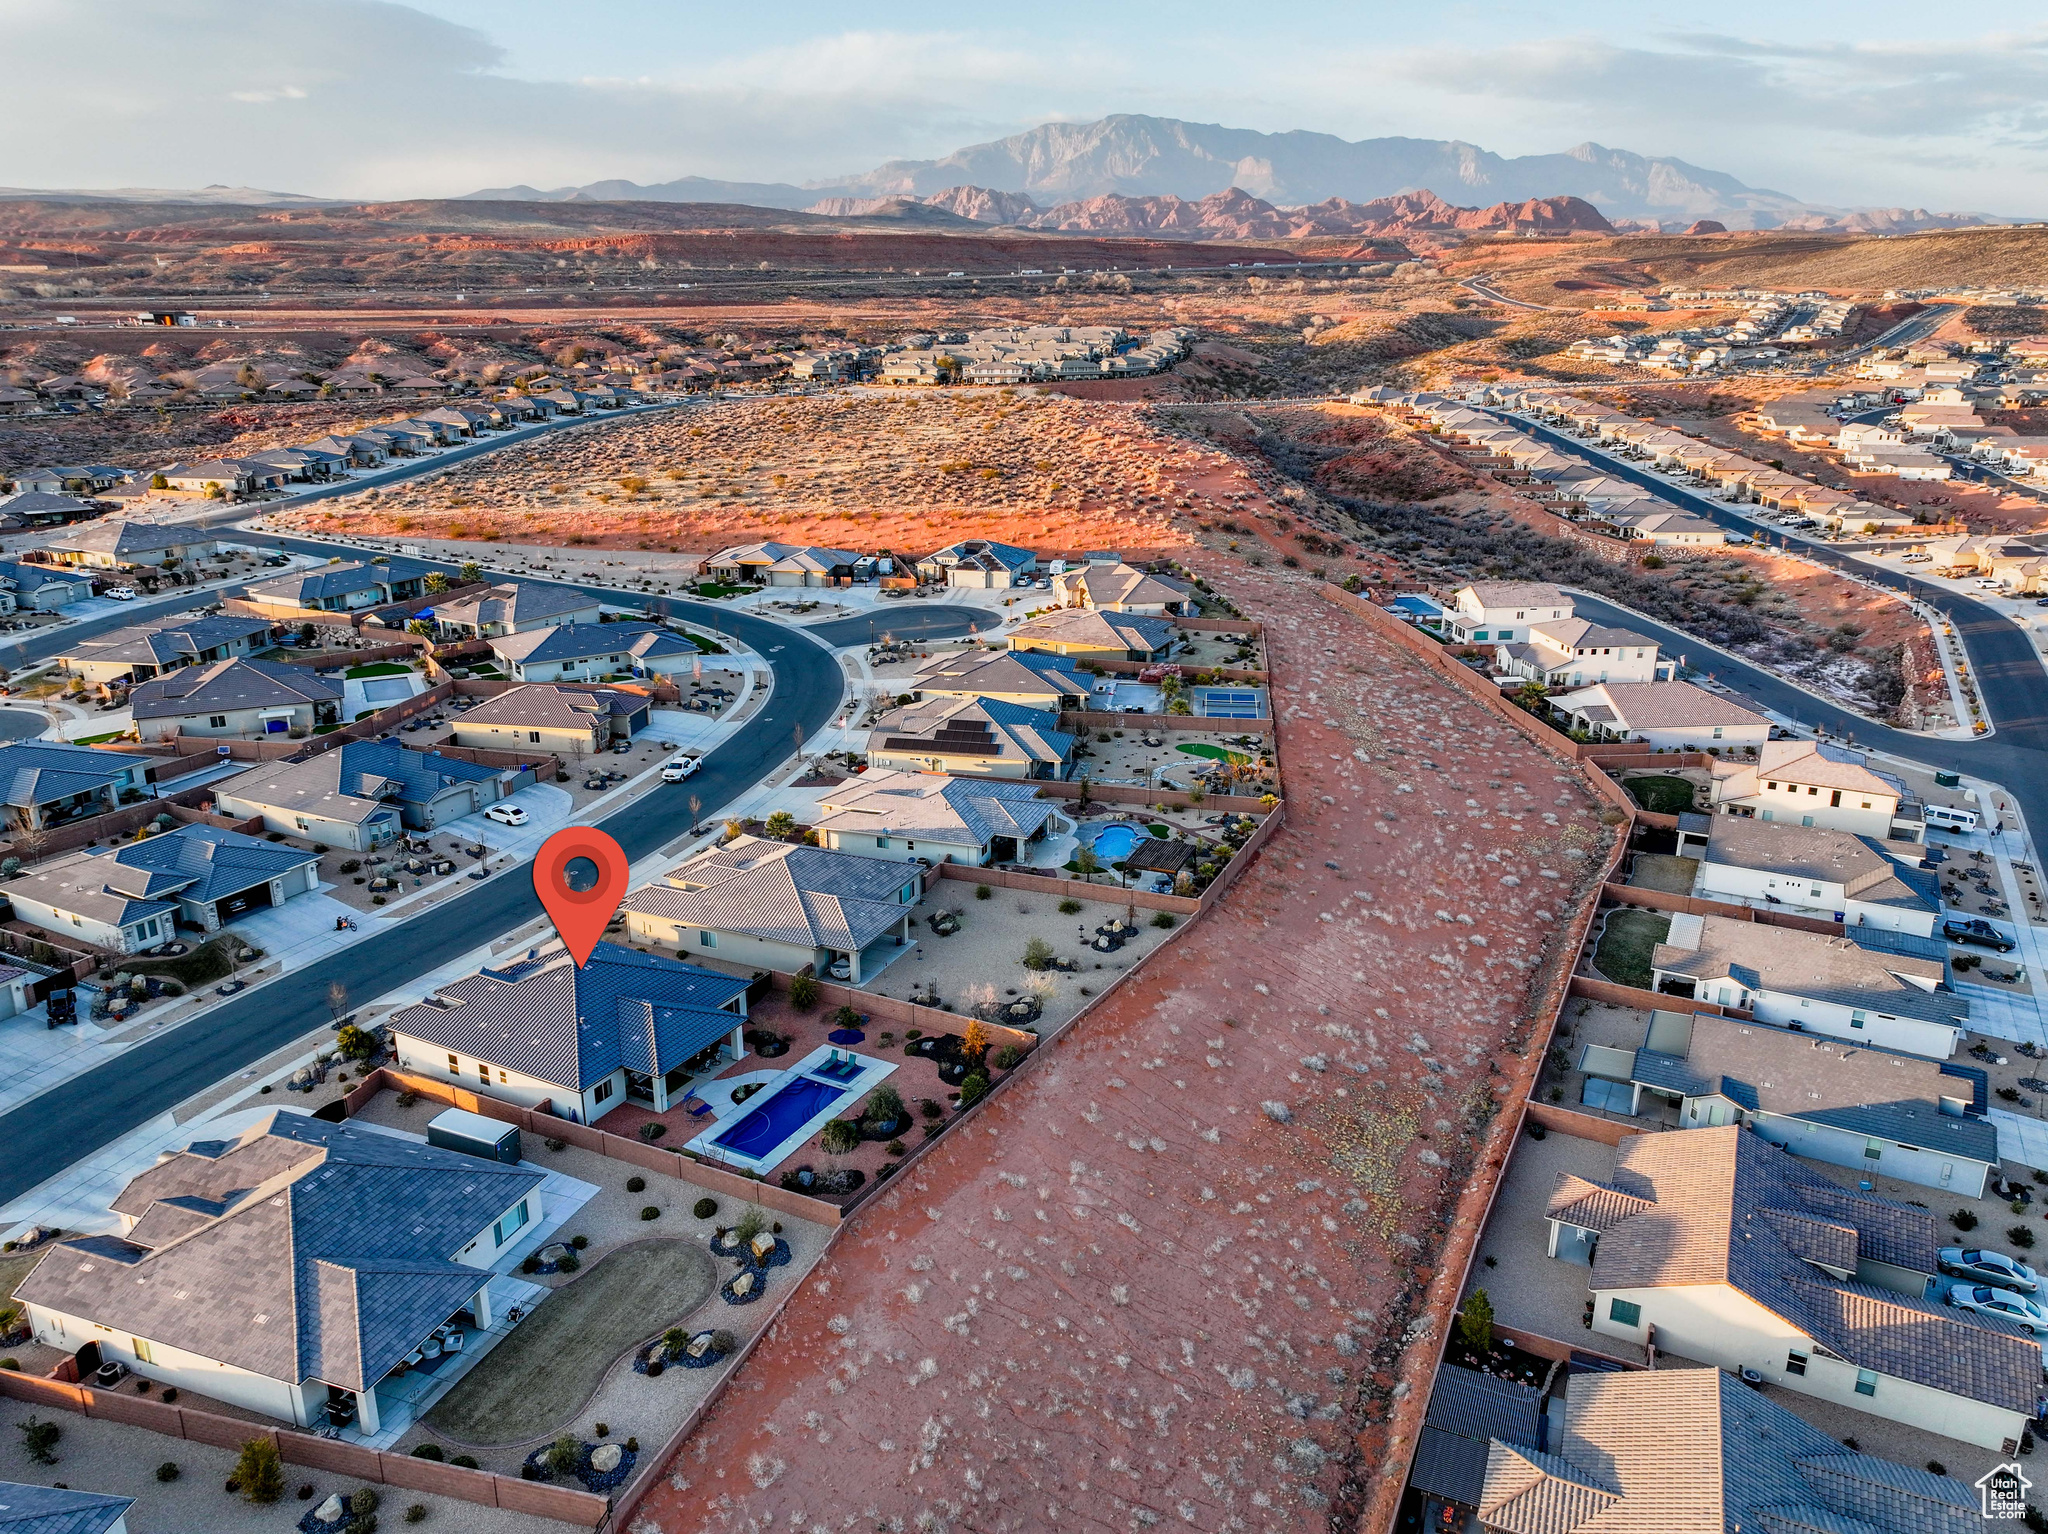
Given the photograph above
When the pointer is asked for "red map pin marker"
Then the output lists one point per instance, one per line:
(580, 915)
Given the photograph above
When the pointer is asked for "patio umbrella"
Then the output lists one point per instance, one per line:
(847, 1036)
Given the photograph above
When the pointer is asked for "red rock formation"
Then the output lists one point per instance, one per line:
(1236, 214)
(1708, 226)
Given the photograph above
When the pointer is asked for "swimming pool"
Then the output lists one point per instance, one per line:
(1113, 844)
(778, 1116)
(387, 689)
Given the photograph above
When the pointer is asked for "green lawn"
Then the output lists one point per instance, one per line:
(376, 668)
(541, 1374)
(1623, 953)
(1663, 795)
(1216, 753)
(714, 589)
(98, 740)
(704, 645)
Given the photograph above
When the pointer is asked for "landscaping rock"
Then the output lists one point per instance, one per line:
(763, 1246)
(605, 1458)
(330, 1510)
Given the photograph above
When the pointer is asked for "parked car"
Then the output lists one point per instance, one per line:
(1988, 1267)
(2006, 1304)
(507, 815)
(841, 968)
(677, 768)
(1977, 932)
(120, 593)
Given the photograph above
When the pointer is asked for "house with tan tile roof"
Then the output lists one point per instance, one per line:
(1674, 715)
(1723, 1248)
(1116, 587)
(1695, 1451)
(934, 817)
(1085, 634)
(971, 736)
(1815, 871)
(1868, 986)
(1811, 783)
(1501, 611)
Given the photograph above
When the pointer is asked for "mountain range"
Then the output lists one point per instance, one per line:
(1139, 156)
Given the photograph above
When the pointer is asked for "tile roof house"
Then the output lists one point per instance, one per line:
(340, 587)
(933, 818)
(514, 608)
(567, 721)
(1814, 871)
(1811, 783)
(113, 542)
(1851, 1105)
(364, 793)
(1571, 652)
(293, 1266)
(773, 905)
(781, 564)
(1468, 1413)
(1846, 987)
(148, 649)
(1085, 634)
(626, 1026)
(46, 782)
(979, 564)
(41, 508)
(1677, 715)
(1122, 588)
(1502, 611)
(1714, 1244)
(235, 697)
(588, 652)
(1695, 1451)
(59, 1510)
(41, 588)
(134, 897)
(972, 735)
(1024, 677)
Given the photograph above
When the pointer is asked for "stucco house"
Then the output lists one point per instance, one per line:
(773, 905)
(40, 588)
(340, 587)
(288, 1271)
(1023, 677)
(1896, 995)
(1675, 715)
(1087, 634)
(1572, 652)
(1116, 587)
(1715, 1245)
(1810, 783)
(625, 1027)
(514, 608)
(135, 896)
(1817, 872)
(149, 649)
(1501, 611)
(47, 783)
(364, 793)
(566, 721)
(236, 697)
(972, 736)
(589, 652)
(934, 818)
(781, 564)
(979, 564)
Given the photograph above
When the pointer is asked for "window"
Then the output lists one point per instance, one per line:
(1624, 1312)
(1795, 1363)
(1770, 785)
(1835, 799)
(503, 1078)
(483, 1073)
(1814, 791)
(1481, 634)
(1866, 1382)
(707, 939)
(604, 1090)
(217, 721)
(455, 1065)
(1859, 1019)
(510, 1223)
(142, 1353)
(534, 736)
(1866, 804)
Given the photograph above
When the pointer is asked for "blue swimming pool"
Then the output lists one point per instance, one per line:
(778, 1116)
(1113, 844)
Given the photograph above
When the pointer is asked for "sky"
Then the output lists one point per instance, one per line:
(1875, 103)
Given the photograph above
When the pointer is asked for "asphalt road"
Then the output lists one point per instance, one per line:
(53, 1131)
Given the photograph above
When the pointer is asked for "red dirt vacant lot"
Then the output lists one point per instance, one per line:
(1176, 1272)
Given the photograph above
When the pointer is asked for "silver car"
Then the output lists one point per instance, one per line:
(1989, 1267)
(2003, 1303)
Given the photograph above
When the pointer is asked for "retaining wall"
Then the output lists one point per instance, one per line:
(1590, 988)
(1580, 1126)
(1660, 900)
(583, 1509)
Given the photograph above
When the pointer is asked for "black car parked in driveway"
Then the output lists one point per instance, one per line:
(1978, 932)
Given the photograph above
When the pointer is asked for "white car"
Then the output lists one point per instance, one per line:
(677, 768)
(507, 815)
(842, 968)
(120, 593)
(2003, 1303)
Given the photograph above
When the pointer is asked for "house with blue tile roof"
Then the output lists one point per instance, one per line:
(59, 1510)
(365, 792)
(288, 1271)
(624, 1026)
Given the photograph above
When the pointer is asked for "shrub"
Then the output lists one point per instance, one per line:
(417, 1513)
(841, 1137)
(1963, 1219)
(466, 1461)
(305, 1491)
(569, 1263)
(897, 1148)
(636, 1184)
(602, 1429)
(973, 1089)
(363, 1525)
(930, 1107)
(1475, 1323)
(528, 1472)
(358, 1044)
(39, 1438)
(258, 1473)
(803, 993)
(884, 1105)
(983, 892)
(1008, 1056)
(653, 1130)
(2020, 1235)
(650, 1213)
(1070, 907)
(428, 1451)
(704, 1208)
(168, 1470)
(724, 1341)
(1163, 919)
(555, 1145)
(579, 1242)
(362, 1501)
(561, 1455)
(632, 1445)
(1038, 954)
